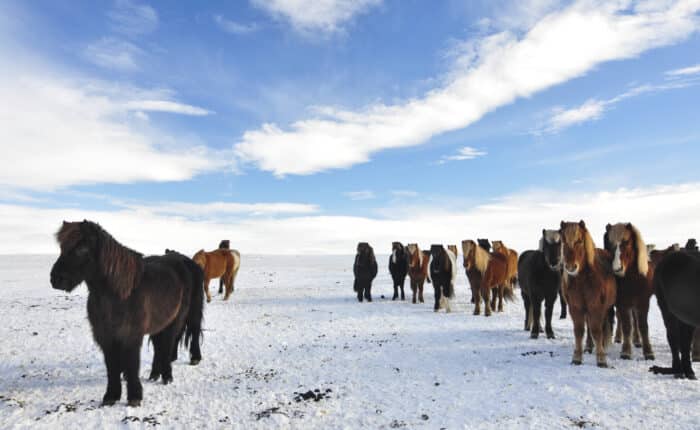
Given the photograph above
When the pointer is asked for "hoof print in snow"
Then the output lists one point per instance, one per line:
(397, 424)
(149, 420)
(314, 395)
(581, 422)
(525, 354)
(425, 417)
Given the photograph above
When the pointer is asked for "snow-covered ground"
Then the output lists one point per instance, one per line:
(293, 325)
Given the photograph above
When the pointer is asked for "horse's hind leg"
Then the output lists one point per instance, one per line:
(501, 289)
(420, 292)
(589, 337)
(536, 305)
(206, 288)
(414, 289)
(596, 321)
(229, 285)
(368, 292)
(686, 338)
(642, 317)
(403, 295)
(636, 332)
(396, 290)
(528, 310)
(696, 345)
(156, 366)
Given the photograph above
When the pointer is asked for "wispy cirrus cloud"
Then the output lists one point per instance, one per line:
(234, 27)
(132, 19)
(220, 209)
(316, 15)
(498, 69)
(360, 195)
(112, 53)
(463, 153)
(685, 71)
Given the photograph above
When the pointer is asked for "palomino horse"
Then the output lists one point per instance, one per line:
(540, 279)
(493, 268)
(453, 250)
(418, 262)
(677, 287)
(216, 264)
(130, 296)
(589, 287)
(365, 270)
(398, 267)
(512, 256)
(634, 277)
(443, 273)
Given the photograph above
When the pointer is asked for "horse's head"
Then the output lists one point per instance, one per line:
(498, 246)
(225, 244)
(365, 254)
(625, 243)
(78, 259)
(691, 245)
(468, 253)
(414, 255)
(550, 246)
(578, 248)
(485, 244)
(438, 256)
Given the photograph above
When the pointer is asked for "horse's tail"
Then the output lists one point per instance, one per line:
(193, 323)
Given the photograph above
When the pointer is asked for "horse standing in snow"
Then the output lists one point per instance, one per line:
(365, 270)
(216, 264)
(634, 275)
(493, 268)
(512, 257)
(131, 296)
(677, 287)
(540, 279)
(589, 287)
(443, 273)
(418, 262)
(398, 267)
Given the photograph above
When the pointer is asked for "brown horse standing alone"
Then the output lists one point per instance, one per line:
(634, 274)
(216, 264)
(493, 268)
(417, 269)
(589, 287)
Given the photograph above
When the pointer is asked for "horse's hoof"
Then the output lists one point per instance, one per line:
(588, 351)
(625, 356)
(534, 335)
(135, 403)
(637, 344)
(562, 317)
(550, 336)
(109, 402)
(576, 362)
(153, 377)
(691, 376)
(167, 381)
(679, 376)
(194, 361)
(649, 356)
(618, 341)
(603, 365)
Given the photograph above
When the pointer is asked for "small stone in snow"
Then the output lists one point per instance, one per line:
(424, 417)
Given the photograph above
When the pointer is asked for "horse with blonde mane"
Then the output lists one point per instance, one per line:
(589, 287)
(634, 274)
(493, 269)
(220, 263)
(418, 262)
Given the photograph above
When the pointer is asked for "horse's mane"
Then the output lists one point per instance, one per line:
(588, 243)
(550, 236)
(120, 265)
(615, 234)
(481, 256)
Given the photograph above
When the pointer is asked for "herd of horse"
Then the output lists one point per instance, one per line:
(131, 295)
(596, 286)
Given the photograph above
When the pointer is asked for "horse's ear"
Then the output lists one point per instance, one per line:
(629, 225)
(608, 227)
(582, 224)
(543, 232)
(561, 225)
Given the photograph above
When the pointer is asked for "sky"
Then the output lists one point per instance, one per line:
(306, 126)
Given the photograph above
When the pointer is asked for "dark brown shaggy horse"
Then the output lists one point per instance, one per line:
(493, 268)
(224, 244)
(216, 264)
(634, 277)
(129, 297)
(677, 287)
(418, 262)
(365, 270)
(589, 287)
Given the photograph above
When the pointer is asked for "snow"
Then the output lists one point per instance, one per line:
(294, 325)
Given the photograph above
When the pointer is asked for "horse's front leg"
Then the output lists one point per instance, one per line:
(562, 303)
(595, 326)
(579, 320)
(642, 317)
(624, 321)
(536, 304)
(501, 290)
(548, 311)
(396, 289)
(403, 282)
(131, 358)
(414, 289)
(112, 355)
(420, 291)
(438, 293)
(206, 288)
(486, 292)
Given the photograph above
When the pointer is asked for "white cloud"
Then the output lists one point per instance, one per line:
(316, 15)
(165, 106)
(685, 71)
(404, 193)
(218, 209)
(502, 68)
(113, 53)
(235, 27)
(464, 153)
(664, 214)
(132, 19)
(360, 195)
(58, 132)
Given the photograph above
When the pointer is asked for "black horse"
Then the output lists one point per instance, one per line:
(398, 267)
(677, 288)
(224, 244)
(540, 279)
(365, 270)
(442, 273)
(130, 296)
(485, 244)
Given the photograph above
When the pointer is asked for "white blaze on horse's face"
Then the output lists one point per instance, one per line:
(617, 266)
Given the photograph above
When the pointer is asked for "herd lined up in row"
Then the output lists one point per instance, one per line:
(595, 285)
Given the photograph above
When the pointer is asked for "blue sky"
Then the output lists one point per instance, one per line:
(305, 126)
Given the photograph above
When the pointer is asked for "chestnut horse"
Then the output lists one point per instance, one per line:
(493, 268)
(512, 256)
(130, 296)
(634, 275)
(216, 264)
(589, 287)
(418, 262)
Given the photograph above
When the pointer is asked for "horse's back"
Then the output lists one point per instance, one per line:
(677, 280)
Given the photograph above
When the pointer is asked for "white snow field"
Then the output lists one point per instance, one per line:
(294, 325)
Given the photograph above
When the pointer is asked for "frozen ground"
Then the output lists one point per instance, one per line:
(293, 326)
